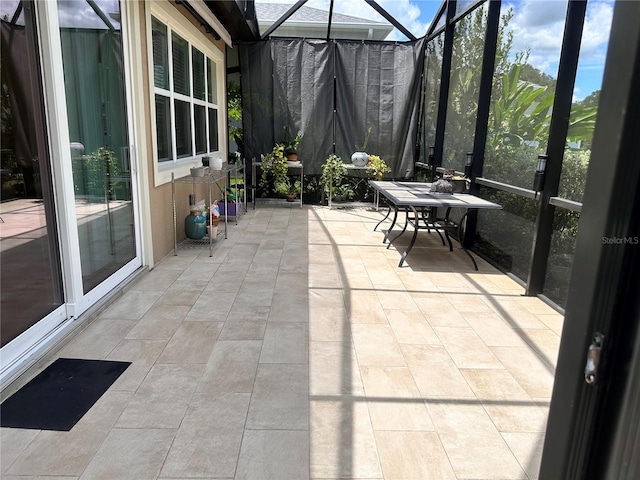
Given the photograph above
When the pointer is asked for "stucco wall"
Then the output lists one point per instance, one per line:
(160, 212)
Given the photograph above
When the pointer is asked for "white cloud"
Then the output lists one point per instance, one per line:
(538, 25)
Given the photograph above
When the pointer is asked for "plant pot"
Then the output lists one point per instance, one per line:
(292, 157)
(459, 186)
(291, 197)
(360, 159)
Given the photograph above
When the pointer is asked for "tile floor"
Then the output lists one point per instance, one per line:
(300, 350)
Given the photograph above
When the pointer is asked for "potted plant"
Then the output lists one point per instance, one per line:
(360, 157)
(377, 167)
(291, 148)
(333, 173)
(274, 168)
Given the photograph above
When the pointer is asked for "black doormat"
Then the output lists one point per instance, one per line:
(60, 395)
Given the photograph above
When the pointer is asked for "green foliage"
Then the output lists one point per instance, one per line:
(92, 173)
(334, 173)
(363, 147)
(234, 111)
(291, 146)
(377, 167)
(274, 171)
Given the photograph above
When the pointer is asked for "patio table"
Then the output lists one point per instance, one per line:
(417, 198)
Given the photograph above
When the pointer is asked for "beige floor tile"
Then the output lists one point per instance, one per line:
(406, 414)
(132, 305)
(291, 282)
(192, 343)
(329, 325)
(160, 323)
(474, 446)
(243, 330)
(527, 447)
(555, 322)
(144, 412)
(545, 342)
(410, 326)
(274, 454)
(142, 354)
(182, 293)
(494, 331)
(326, 298)
(158, 279)
(434, 372)
(243, 313)
(280, 398)
(285, 343)
(530, 371)
(440, 312)
(208, 441)
(289, 307)
(342, 441)
(380, 354)
(466, 348)
(13, 441)
(381, 383)
(59, 453)
(99, 339)
(134, 454)
(373, 334)
(231, 367)
(212, 306)
(62, 453)
(396, 299)
(413, 455)
(333, 369)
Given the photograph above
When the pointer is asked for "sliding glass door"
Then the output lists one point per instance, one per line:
(92, 59)
(30, 269)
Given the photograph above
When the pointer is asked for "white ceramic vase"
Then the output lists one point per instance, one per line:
(360, 159)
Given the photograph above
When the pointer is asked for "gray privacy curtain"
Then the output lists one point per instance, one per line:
(289, 84)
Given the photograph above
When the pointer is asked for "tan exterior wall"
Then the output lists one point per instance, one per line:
(160, 199)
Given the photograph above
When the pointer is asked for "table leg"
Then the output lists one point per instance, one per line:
(393, 223)
(404, 229)
(413, 239)
(462, 226)
(385, 217)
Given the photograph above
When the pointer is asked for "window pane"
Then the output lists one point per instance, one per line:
(163, 129)
(183, 129)
(212, 94)
(563, 243)
(200, 128)
(93, 63)
(522, 95)
(180, 55)
(160, 54)
(433, 71)
(462, 108)
(506, 236)
(197, 59)
(213, 130)
(586, 95)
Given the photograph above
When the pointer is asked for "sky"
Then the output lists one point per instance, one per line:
(537, 25)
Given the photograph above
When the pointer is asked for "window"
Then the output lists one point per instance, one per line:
(185, 80)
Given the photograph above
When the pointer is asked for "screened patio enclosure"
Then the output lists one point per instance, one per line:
(476, 82)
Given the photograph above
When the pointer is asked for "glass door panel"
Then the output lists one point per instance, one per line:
(93, 63)
(30, 268)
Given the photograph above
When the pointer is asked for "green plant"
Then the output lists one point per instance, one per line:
(234, 112)
(332, 179)
(377, 167)
(291, 146)
(274, 169)
(92, 172)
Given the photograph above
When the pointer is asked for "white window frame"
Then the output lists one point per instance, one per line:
(176, 22)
